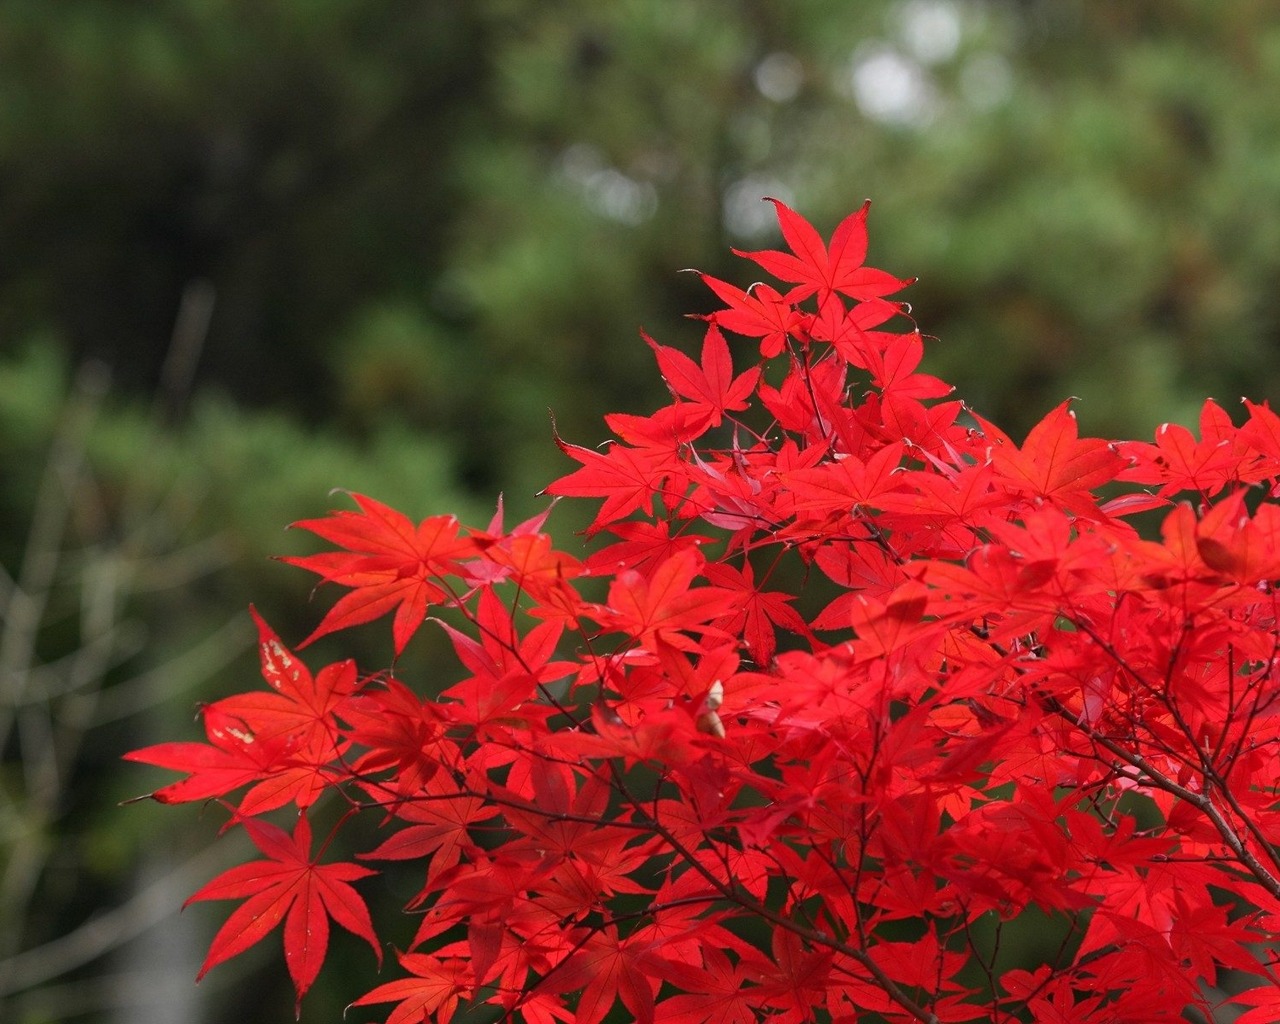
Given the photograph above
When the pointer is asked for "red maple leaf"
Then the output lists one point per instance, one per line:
(232, 758)
(388, 562)
(292, 887)
(432, 993)
(1265, 1000)
(711, 386)
(284, 738)
(1178, 462)
(758, 313)
(816, 268)
(894, 369)
(643, 547)
(398, 730)
(757, 611)
(441, 817)
(718, 991)
(1246, 549)
(606, 969)
(1262, 434)
(846, 482)
(299, 704)
(663, 608)
(627, 479)
(1055, 463)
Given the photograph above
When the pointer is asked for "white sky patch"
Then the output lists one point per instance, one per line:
(605, 189)
(891, 87)
(744, 210)
(779, 77)
(930, 29)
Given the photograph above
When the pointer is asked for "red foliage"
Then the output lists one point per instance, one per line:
(866, 686)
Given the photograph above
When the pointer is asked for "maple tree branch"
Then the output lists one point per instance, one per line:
(734, 893)
(1251, 826)
(1201, 801)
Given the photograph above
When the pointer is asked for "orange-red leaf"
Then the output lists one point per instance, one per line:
(389, 564)
(289, 886)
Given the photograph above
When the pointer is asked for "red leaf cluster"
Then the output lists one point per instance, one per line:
(865, 686)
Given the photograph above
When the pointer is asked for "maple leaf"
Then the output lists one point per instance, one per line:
(1054, 463)
(883, 626)
(759, 313)
(663, 608)
(299, 704)
(846, 483)
(663, 436)
(851, 333)
(606, 969)
(758, 610)
(388, 562)
(711, 386)
(627, 479)
(284, 739)
(643, 547)
(662, 737)
(811, 403)
(1246, 549)
(817, 268)
(1265, 1003)
(542, 571)
(501, 649)
(289, 886)
(792, 979)
(717, 992)
(894, 369)
(1178, 462)
(1261, 432)
(431, 994)
(400, 731)
(525, 550)
(232, 758)
(440, 817)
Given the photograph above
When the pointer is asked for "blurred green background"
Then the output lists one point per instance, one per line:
(254, 250)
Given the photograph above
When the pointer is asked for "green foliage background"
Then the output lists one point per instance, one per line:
(426, 224)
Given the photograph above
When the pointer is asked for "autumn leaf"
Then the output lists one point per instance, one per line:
(846, 484)
(1244, 547)
(642, 546)
(625, 477)
(663, 608)
(299, 704)
(431, 993)
(288, 886)
(718, 992)
(232, 758)
(1179, 462)
(607, 969)
(758, 611)
(1055, 463)
(884, 626)
(759, 313)
(1264, 1001)
(711, 385)
(815, 268)
(284, 739)
(390, 564)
